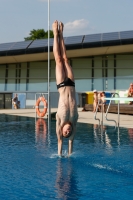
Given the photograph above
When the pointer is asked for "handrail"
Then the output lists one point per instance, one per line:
(109, 107)
(96, 113)
(118, 98)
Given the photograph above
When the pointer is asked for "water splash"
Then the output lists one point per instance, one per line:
(105, 167)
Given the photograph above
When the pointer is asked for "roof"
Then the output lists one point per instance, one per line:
(72, 43)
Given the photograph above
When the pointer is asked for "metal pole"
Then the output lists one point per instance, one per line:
(48, 67)
(118, 113)
(102, 116)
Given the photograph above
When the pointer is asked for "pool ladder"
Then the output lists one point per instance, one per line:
(95, 115)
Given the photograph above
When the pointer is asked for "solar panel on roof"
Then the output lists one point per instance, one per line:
(73, 40)
(21, 45)
(38, 43)
(110, 36)
(51, 41)
(6, 46)
(92, 38)
(126, 35)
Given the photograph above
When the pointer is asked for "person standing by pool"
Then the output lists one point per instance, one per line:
(67, 114)
(130, 93)
(15, 101)
(102, 102)
(95, 100)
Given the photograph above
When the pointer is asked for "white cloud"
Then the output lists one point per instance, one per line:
(77, 27)
(77, 24)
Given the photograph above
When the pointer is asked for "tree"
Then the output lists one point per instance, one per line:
(39, 34)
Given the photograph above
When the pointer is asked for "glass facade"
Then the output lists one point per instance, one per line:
(103, 73)
(112, 72)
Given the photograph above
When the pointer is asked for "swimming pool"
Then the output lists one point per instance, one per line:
(101, 166)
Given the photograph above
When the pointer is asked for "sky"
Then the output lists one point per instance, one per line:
(80, 17)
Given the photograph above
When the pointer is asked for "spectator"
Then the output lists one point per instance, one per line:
(95, 100)
(102, 101)
(130, 93)
(15, 101)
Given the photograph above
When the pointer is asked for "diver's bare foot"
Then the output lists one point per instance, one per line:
(55, 27)
(61, 26)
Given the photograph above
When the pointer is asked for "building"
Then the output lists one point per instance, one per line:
(99, 61)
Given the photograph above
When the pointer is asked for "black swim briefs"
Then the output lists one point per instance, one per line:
(67, 82)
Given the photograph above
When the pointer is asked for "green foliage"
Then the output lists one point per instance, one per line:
(39, 34)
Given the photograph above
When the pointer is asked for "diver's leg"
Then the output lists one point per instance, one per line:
(67, 67)
(94, 106)
(60, 73)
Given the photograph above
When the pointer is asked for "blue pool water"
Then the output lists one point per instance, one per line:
(101, 166)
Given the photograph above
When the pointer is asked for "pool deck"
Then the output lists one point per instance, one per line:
(84, 116)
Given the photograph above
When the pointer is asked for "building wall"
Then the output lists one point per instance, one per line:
(108, 73)
(83, 73)
(124, 71)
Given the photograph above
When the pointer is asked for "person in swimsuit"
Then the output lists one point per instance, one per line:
(67, 114)
(130, 93)
(102, 101)
(15, 101)
(95, 100)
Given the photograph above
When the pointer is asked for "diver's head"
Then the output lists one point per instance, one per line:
(67, 129)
